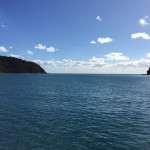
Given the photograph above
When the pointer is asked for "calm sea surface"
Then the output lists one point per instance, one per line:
(74, 112)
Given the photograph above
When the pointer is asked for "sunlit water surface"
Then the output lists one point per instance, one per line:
(74, 112)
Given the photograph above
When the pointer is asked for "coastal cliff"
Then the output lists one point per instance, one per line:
(148, 71)
(17, 65)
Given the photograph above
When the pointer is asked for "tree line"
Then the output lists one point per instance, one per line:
(17, 65)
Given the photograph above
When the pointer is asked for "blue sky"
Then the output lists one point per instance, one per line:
(78, 36)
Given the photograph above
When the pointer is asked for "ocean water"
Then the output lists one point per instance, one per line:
(74, 112)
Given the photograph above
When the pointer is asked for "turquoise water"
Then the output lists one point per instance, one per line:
(74, 112)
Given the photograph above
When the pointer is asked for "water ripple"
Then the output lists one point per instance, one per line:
(77, 112)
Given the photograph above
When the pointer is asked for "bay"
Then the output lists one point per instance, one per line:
(74, 112)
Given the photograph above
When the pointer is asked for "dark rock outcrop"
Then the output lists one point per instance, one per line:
(148, 71)
(17, 65)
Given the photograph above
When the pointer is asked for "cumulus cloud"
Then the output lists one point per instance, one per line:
(47, 62)
(148, 54)
(143, 21)
(135, 63)
(43, 47)
(51, 49)
(95, 65)
(93, 62)
(29, 53)
(98, 60)
(116, 56)
(98, 18)
(142, 35)
(40, 46)
(93, 42)
(3, 49)
(104, 40)
(90, 63)
(14, 55)
(65, 62)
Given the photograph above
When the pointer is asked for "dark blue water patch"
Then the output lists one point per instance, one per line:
(78, 112)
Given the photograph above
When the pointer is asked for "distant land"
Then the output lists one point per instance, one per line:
(148, 71)
(17, 65)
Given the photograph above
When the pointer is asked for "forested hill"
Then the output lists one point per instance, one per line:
(16, 65)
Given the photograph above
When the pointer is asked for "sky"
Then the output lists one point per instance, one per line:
(78, 36)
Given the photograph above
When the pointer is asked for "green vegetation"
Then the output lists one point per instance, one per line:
(16, 65)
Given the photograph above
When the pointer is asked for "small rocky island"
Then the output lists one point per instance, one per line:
(148, 71)
(17, 65)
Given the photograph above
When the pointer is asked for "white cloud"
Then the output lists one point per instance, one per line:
(104, 40)
(14, 55)
(3, 49)
(29, 53)
(146, 17)
(142, 35)
(47, 63)
(135, 63)
(3, 25)
(93, 62)
(11, 47)
(116, 56)
(93, 42)
(95, 65)
(148, 54)
(51, 49)
(98, 18)
(43, 47)
(98, 60)
(40, 46)
(143, 22)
